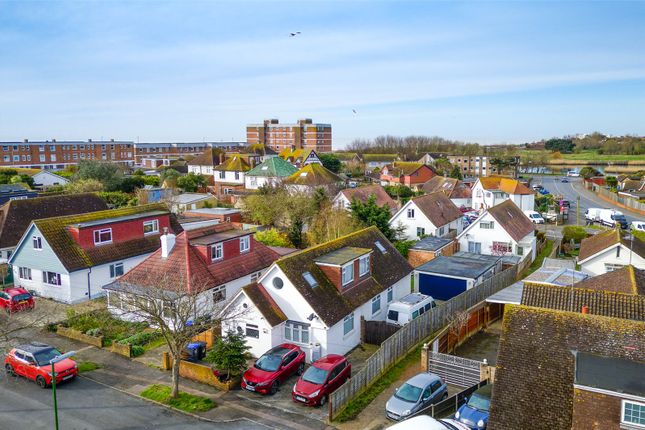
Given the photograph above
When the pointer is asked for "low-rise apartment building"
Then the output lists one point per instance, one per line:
(304, 134)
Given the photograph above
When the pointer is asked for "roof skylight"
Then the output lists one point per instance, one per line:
(310, 279)
(380, 247)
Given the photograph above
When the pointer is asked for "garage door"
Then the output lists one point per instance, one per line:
(441, 288)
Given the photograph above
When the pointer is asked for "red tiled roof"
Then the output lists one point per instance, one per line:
(508, 185)
(363, 193)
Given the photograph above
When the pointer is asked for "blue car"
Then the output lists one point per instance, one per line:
(474, 413)
(543, 191)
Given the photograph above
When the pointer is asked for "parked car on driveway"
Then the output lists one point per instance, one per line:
(16, 299)
(427, 423)
(321, 378)
(32, 361)
(474, 413)
(273, 368)
(535, 217)
(416, 393)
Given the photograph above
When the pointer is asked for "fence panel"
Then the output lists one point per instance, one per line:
(376, 332)
(458, 371)
(397, 345)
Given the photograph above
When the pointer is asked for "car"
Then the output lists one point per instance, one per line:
(16, 299)
(474, 413)
(565, 203)
(465, 209)
(535, 217)
(638, 225)
(32, 362)
(543, 191)
(427, 423)
(573, 174)
(564, 180)
(537, 187)
(273, 368)
(418, 392)
(321, 378)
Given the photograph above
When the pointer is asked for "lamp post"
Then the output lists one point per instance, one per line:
(52, 362)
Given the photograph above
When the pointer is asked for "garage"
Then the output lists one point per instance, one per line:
(441, 287)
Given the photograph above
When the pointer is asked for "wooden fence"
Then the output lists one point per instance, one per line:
(376, 332)
(400, 343)
(621, 199)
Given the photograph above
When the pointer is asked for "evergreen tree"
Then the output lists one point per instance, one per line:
(456, 173)
(369, 213)
(229, 353)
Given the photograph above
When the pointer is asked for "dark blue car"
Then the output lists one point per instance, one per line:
(474, 413)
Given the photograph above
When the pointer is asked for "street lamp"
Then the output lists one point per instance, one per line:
(52, 362)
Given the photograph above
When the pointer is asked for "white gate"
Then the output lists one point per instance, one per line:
(459, 371)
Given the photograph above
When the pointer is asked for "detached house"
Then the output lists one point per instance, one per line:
(406, 173)
(270, 172)
(316, 298)
(17, 215)
(456, 190)
(204, 163)
(313, 176)
(300, 157)
(429, 215)
(229, 176)
(378, 161)
(345, 197)
(70, 258)
(500, 230)
(493, 190)
(216, 260)
(609, 251)
(46, 179)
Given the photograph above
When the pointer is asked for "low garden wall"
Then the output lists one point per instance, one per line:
(123, 349)
(204, 374)
(77, 335)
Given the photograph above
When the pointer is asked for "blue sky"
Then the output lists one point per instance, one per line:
(487, 72)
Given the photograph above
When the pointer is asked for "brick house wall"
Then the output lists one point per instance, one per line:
(417, 257)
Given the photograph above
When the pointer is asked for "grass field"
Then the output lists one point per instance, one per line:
(594, 156)
(185, 402)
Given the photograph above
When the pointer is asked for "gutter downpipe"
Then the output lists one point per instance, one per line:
(89, 288)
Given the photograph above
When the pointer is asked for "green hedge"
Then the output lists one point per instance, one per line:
(139, 339)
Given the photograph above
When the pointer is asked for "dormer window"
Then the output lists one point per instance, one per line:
(102, 236)
(348, 273)
(364, 265)
(150, 227)
(245, 243)
(217, 252)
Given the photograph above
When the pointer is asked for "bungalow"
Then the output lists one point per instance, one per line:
(406, 173)
(429, 215)
(47, 178)
(456, 190)
(229, 176)
(16, 215)
(492, 190)
(500, 230)
(378, 161)
(446, 277)
(300, 157)
(70, 258)
(204, 163)
(312, 176)
(15, 192)
(629, 184)
(217, 261)
(348, 157)
(191, 201)
(316, 298)
(270, 172)
(345, 197)
(608, 251)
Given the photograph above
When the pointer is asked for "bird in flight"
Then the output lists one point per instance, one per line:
(294, 34)
(354, 110)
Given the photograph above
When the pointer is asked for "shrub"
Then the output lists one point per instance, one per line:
(573, 232)
(139, 338)
(137, 350)
(93, 332)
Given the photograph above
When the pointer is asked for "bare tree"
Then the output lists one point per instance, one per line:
(457, 322)
(179, 306)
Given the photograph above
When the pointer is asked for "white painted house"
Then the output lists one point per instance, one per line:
(609, 251)
(500, 230)
(272, 171)
(70, 258)
(46, 178)
(493, 190)
(429, 215)
(204, 163)
(316, 298)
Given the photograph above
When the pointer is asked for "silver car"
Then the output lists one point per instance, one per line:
(416, 393)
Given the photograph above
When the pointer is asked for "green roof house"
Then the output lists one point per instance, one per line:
(314, 176)
(272, 171)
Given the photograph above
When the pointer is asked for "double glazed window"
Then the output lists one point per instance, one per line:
(116, 270)
(410, 213)
(25, 273)
(217, 251)
(487, 225)
(102, 236)
(633, 413)
(348, 324)
(364, 265)
(252, 330)
(376, 304)
(245, 243)
(37, 242)
(219, 294)
(151, 227)
(51, 278)
(348, 273)
(296, 332)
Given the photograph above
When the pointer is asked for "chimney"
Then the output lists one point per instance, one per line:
(26, 140)
(585, 310)
(89, 140)
(54, 140)
(167, 243)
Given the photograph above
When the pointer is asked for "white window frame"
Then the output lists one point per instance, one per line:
(155, 226)
(291, 328)
(410, 213)
(25, 273)
(376, 299)
(113, 270)
(622, 413)
(362, 271)
(97, 234)
(347, 269)
(37, 240)
(245, 244)
(390, 294)
(219, 294)
(46, 278)
(216, 249)
(610, 267)
(347, 319)
(487, 225)
(253, 327)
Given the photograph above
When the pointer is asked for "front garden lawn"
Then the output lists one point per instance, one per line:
(184, 401)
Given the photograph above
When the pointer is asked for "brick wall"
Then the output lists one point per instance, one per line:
(418, 257)
(595, 411)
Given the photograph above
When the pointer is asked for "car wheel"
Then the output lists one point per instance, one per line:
(41, 381)
(301, 369)
(274, 387)
(9, 369)
(322, 401)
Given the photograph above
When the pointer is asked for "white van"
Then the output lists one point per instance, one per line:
(408, 308)
(638, 225)
(573, 174)
(608, 217)
(535, 217)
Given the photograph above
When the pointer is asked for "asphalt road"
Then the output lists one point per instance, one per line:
(575, 188)
(84, 404)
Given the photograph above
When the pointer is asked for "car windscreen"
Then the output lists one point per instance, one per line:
(21, 297)
(409, 393)
(44, 356)
(393, 315)
(315, 375)
(268, 362)
(479, 402)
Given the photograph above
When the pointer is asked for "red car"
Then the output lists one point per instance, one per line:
(273, 368)
(16, 299)
(32, 362)
(322, 377)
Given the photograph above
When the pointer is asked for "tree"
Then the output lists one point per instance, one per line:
(564, 145)
(84, 186)
(330, 223)
(108, 174)
(589, 172)
(403, 246)
(116, 199)
(399, 191)
(169, 174)
(456, 173)
(457, 323)
(272, 237)
(612, 181)
(130, 184)
(191, 182)
(369, 213)
(330, 162)
(230, 353)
